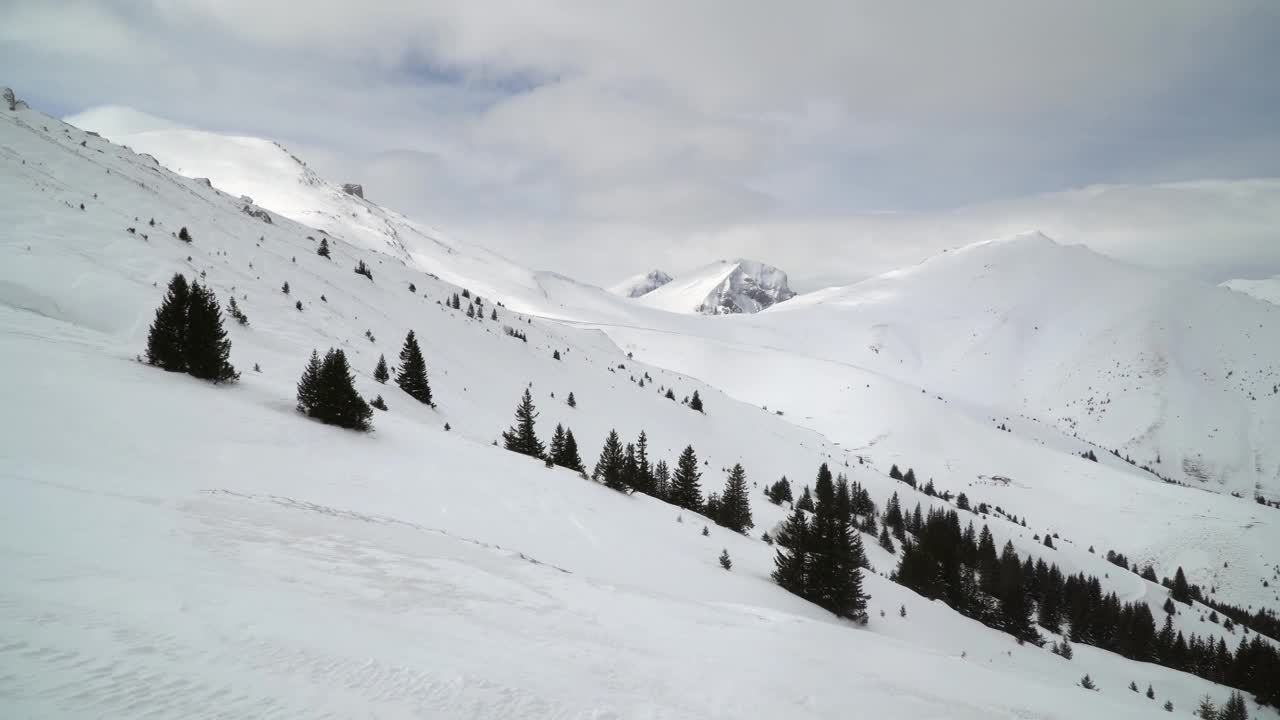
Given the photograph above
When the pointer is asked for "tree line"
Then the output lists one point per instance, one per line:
(961, 567)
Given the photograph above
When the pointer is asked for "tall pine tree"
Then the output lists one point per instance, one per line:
(521, 437)
(791, 561)
(685, 490)
(735, 508)
(608, 469)
(168, 332)
(661, 480)
(568, 456)
(412, 377)
(644, 471)
(555, 450)
(206, 349)
(380, 372)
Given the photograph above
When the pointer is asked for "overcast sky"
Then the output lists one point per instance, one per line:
(604, 138)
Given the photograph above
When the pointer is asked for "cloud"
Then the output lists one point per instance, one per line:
(658, 131)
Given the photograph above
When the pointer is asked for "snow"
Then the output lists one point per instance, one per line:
(722, 287)
(638, 285)
(178, 549)
(1266, 289)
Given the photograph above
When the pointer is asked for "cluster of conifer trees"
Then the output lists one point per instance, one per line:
(821, 559)
(961, 567)
(627, 468)
(327, 390)
(187, 334)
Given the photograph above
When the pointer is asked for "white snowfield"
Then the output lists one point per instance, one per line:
(175, 549)
(1266, 289)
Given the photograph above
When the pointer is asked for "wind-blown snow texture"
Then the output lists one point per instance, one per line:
(177, 549)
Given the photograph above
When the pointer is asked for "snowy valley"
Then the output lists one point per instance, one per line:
(177, 548)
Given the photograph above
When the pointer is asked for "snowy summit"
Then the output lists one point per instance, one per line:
(724, 287)
(637, 285)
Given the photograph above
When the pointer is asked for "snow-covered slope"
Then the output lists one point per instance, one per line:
(274, 179)
(1266, 289)
(638, 285)
(1177, 375)
(725, 287)
(177, 549)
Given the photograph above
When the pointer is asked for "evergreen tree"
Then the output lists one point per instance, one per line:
(806, 500)
(1181, 591)
(670, 395)
(695, 402)
(1015, 606)
(494, 315)
(1087, 683)
(1151, 692)
(380, 372)
(569, 457)
(412, 376)
(1206, 710)
(323, 250)
(835, 576)
(521, 437)
(895, 473)
(910, 477)
(630, 468)
(712, 507)
(565, 451)
(233, 309)
(644, 471)
(571, 402)
(725, 562)
(791, 560)
(608, 469)
(1235, 708)
(555, 451)
(309, 385)
(661, 480)
(471, 311)
(206, 349)
(327, 393)
(893, 517)
(780, 491)
(379, 403)
(167, 337)
(685, 490)
(555, 354)
(285, 288)
(886, 542)
(735, 507)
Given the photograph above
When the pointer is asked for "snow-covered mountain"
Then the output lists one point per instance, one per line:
(1266, 289)
(724, 287)
(271, 177)
(212, 552)
(1132, 360)
(638, 285)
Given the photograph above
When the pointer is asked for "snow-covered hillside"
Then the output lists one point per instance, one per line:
(178, 549)
(1177, 375)
(725, 287)
(638, 285)
(1266, 289)
(265, 172)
